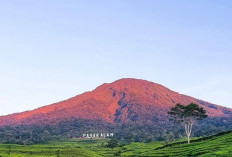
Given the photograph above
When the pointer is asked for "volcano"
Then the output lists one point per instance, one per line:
(124, 101)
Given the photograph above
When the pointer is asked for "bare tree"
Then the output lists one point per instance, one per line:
(187, 116)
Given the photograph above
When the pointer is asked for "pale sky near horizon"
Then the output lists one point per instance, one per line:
(51, 50)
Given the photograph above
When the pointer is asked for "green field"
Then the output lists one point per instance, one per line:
(213, 146)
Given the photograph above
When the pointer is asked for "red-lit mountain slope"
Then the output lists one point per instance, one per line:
(125, 100)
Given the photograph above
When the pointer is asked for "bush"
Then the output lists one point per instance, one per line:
(112, 143)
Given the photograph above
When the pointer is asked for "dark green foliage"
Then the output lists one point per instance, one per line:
(187, 116)
(24, 135)
(112, 143)
(180, 113)
(168, 137)
(42, 134)
(58, 153)
(126, 133)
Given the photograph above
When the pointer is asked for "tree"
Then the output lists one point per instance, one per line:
(187, 116)
(112, 143)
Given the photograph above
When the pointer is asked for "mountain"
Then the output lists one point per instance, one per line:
(125, 105)
(125, 100)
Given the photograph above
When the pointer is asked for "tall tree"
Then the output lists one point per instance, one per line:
(187, 116)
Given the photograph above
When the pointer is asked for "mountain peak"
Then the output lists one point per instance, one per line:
(134, 85)
(133, 82)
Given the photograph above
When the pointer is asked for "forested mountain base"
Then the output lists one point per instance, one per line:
(126, 133)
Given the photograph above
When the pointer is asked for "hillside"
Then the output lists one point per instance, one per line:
(213, 146)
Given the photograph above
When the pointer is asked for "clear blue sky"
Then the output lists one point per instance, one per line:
(51, 50)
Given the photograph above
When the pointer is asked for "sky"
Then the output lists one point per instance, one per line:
(51, 50)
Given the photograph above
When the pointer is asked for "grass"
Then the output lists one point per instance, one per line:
(52, 149)
(213, 146)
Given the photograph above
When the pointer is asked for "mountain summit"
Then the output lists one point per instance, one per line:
(123, 101)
